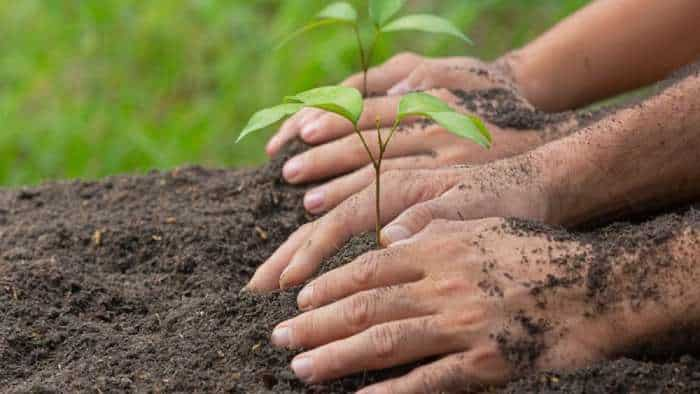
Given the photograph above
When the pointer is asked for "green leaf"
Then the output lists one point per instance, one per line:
(426, 23)
(463, 126)
(336, 13)
(481, 127)
(383, 10)
(340, 11)
(420, 104)
(346, 102)
(267, 117)
(309, 27)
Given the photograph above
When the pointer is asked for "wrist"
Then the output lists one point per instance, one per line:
(526, 183)
(522, 70)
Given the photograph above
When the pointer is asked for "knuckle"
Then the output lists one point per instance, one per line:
(449, 286)
(384, 340)
(359, 311)
(418, 216)
(322, 291)
(397, 178)
(423, 186)
(468, 321)
(365, 272)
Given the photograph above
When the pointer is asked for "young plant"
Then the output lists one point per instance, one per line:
(381, 13)
(348, 103)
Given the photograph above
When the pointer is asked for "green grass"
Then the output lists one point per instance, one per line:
(93, 88)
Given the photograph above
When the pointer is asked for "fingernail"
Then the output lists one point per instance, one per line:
(395, 233)
(292, 169)
(398, 89)
(283, 277)
(313, 201)
(304, 298)
(281, 336)
(271, 147)
(308, 131)
(302, 367)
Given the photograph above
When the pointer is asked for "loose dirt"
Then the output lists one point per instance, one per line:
(132, 284)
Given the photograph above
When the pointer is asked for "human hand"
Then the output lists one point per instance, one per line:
(492, 299)
(401, 74)
(516, 187)
(418, 145)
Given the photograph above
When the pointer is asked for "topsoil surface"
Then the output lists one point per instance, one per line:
(132, 284)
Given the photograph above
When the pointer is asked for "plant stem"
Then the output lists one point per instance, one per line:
(378, 212)
(364, 143)
(377, 190)
(391, 134)
(363, 61)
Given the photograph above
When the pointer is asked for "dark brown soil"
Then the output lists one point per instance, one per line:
(132, 284)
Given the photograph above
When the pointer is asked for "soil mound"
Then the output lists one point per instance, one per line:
(132, 284)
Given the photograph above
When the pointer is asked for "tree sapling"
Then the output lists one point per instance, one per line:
(348, 102)
(381, 13)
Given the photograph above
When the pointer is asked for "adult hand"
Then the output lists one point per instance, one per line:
(473, 292)
(516, 187)
(417, 145)
(401, 74)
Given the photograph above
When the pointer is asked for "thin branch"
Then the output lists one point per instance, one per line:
(380, 143)
(364, 142)
(372, 46)
(377, 182)
(363, 60)
(391, 133)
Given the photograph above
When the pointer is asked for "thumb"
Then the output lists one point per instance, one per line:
(416, 218)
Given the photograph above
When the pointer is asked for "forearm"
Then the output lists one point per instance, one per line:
(607, 48)
(639, 158)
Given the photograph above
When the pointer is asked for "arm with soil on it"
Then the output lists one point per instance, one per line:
(607, 48)
(656, 276)
(640, 158)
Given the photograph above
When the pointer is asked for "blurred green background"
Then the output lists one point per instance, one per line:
(96, 87)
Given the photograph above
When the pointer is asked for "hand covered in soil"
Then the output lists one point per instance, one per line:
(515, 187)
(401, 74)
(492, 300)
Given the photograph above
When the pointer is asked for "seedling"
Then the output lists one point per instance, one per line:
(349, 104)
(381, 12)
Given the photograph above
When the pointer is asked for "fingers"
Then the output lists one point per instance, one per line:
(384, 76)
(348, 154)
(370, 271)
(378, 347)
(416, 218)
(401, 189)
(290, 129)
(454, 373)
(450, 73)
(442, 227)
(350, 316)
(266, 277)
(329, 195)
(329, 126)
